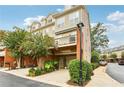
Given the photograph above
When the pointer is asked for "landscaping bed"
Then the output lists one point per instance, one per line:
(49, 66)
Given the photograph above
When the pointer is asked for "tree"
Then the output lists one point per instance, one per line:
(113, 55)
(37, 45)
(122, 55)
(104, 57)
(98, 37)
(2, 34)
(13, 41)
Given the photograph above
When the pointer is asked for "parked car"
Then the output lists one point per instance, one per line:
(121, 62)
(103, 63)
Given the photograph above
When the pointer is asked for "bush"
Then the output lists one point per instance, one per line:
(89, 71)
(38, 71)
(95, 57)
(50, 66)
(74, 66)
(31, 72)
(94, 65)
(35, 72)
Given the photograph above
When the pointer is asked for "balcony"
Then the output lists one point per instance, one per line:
(66, 41)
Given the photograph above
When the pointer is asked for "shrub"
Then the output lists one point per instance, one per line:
(74, 66)
(95, 57)
(50, 65)
(94, 65)
(89, 71)
(31, 72)
(38, 71)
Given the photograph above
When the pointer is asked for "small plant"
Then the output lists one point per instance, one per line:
(38, 71)
(95, 65)
(31, 72)
(50, 66)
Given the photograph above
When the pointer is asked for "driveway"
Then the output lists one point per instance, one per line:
(9, 80)
(116, 71)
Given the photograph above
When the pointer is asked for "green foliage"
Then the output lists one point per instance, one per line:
(38, 71)
(113, 55)
(95, 57)
(122, 55)
(35, 72)
(74, 66)
(89, 71)
(104, 57)
(98, 37)
(2, 35)
(31, 72)
(13, 41)
(50, 65)
(95, 65)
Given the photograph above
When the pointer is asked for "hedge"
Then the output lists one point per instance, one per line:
(74, 66)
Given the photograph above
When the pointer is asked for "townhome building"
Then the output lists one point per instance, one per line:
(63, 27)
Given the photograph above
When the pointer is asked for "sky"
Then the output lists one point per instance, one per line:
(111, 16)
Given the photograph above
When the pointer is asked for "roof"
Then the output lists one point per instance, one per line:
(119, 48)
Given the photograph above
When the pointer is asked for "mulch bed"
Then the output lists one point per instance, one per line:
(75, 84)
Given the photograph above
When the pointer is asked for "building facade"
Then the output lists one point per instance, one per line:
(116, 50)
(63, 27)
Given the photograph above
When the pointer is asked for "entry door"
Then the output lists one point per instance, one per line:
(62, 62)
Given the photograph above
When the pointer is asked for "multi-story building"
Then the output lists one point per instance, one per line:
(116, 50)
(63, 27)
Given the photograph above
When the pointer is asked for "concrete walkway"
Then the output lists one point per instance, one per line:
(60, 78)
(102, 79)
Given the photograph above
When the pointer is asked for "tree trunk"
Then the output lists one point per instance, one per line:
(19, 62)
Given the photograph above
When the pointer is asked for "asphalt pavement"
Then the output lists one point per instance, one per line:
(9, 80)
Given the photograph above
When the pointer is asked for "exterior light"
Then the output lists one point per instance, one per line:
(80, 26)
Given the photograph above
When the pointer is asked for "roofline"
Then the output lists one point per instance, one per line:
(68, 10)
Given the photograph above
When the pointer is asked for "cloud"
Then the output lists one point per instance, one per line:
(28, 21)
(59, 10)
(116, 17)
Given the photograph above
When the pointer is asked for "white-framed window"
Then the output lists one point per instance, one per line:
(60, 22)
(74, 17)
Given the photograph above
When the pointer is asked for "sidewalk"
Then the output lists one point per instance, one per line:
(60, 77)
(102, 79)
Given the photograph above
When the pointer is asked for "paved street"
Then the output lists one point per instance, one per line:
(8, 80)
(116, 71)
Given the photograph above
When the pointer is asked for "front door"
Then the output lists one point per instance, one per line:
(62, 62)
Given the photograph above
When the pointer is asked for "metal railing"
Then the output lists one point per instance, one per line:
(65, 40)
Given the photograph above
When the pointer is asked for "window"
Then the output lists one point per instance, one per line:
(74, 17)
(60, 22)
(72, 38)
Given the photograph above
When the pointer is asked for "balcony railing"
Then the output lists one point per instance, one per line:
(71, 39)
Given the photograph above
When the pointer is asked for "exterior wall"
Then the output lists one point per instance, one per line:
(28, 62)
(86, 44)
(8, 57)
(116, 52)
(1, 61)
(45, 58)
